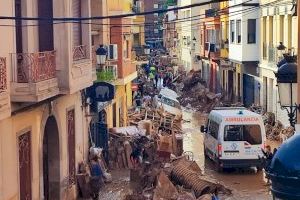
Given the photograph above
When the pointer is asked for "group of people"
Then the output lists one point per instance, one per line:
(158, 77)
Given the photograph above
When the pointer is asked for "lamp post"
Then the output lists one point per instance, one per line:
(101, 54)
(287, 86)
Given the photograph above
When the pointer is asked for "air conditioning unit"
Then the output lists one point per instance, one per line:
(112, 52)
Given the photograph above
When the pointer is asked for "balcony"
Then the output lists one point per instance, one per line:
(82, 74)
(212, 50)
(107, 73)
(4, 94)
(33, 76)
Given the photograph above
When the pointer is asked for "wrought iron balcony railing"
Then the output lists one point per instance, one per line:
(3, 75)
(79, 52)
(33, 67)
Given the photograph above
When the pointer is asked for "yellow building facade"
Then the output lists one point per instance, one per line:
(116, 110)
(278, 25)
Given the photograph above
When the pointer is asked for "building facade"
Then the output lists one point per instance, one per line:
(244, 41)
(185, 35)
(154, 22)
(44, 71)
(278, 24)
(226, 69)
(122, 68)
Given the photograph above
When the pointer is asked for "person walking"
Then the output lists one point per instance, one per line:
(96, 180)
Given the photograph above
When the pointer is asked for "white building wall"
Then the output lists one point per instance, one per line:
(243, 51)
(186, 31)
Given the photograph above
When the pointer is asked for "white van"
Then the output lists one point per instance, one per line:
(168, 99)
(234, 137)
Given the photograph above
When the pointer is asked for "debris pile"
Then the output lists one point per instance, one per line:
(178, 179)
(196, 95)
(275, 129)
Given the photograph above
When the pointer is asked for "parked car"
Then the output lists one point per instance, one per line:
(168, 100)
(234, 138)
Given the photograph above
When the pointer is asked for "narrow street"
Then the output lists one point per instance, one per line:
(246, 184)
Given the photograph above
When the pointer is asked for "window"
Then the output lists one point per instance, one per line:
(213, 129)
(155, 14)
(188, 13)
(155, 5)
(251, 31)
(232, 33)
(238, 31)
(155, 30)
(248, 133)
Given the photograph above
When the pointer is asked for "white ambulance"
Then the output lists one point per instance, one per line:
(234, 138)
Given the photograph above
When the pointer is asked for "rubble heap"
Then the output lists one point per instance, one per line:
(275, 129)
(176, 179)
(196, 95)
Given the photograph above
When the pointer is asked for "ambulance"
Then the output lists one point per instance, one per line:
(234, 138)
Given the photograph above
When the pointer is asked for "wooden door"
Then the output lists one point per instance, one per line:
(25, 166)
(71, 145)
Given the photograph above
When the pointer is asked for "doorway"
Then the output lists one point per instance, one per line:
(25, 166)
(51, 160)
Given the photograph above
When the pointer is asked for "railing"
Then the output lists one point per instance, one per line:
(79, 52)
(33, 67)
(271, 53)
(264, 51)
(107, 73)
(3, 75)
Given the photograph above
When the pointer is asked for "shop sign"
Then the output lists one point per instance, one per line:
(101, 92)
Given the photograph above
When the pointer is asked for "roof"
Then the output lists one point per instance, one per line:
(220, 115)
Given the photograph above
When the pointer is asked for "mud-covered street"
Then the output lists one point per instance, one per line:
(246, 184)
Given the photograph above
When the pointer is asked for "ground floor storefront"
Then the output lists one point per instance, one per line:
(41, 148)
(269, 97)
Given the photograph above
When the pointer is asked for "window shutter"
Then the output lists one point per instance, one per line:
(76, 7)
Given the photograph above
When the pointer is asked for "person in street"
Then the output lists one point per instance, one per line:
(135, 157)
(138, 102)
(156, 80)
(267, 160)
(141, 88)
(96, 180)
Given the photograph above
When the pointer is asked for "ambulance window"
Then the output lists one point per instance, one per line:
(248, 133)
(213, 129)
